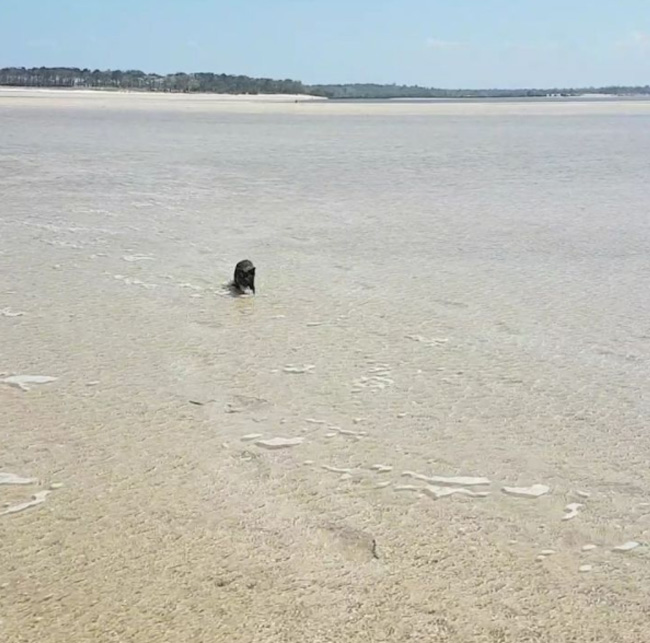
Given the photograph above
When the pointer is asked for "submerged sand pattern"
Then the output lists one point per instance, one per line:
(451, 291)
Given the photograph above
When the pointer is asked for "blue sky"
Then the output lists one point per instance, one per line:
(441, 43)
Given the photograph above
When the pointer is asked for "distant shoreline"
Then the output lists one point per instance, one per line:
(287, 98)
(307, 98)
(219, 84)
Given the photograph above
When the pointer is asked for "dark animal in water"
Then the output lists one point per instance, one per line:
(245, 276)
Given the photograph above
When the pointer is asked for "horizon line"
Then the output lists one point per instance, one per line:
(555, 89)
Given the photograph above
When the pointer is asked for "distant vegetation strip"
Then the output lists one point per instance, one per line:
(135, 80)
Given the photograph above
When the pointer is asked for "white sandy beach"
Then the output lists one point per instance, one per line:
(450, 338)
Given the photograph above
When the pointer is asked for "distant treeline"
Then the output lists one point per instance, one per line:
(133, 79)
(371, 91)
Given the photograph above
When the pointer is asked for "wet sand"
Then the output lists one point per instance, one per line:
(450, 336)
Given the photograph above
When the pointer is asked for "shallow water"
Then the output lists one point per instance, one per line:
(442, 289)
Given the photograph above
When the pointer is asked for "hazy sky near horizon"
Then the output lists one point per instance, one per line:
(441, 43)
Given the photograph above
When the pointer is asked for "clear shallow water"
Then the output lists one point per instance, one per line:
(469, 284)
